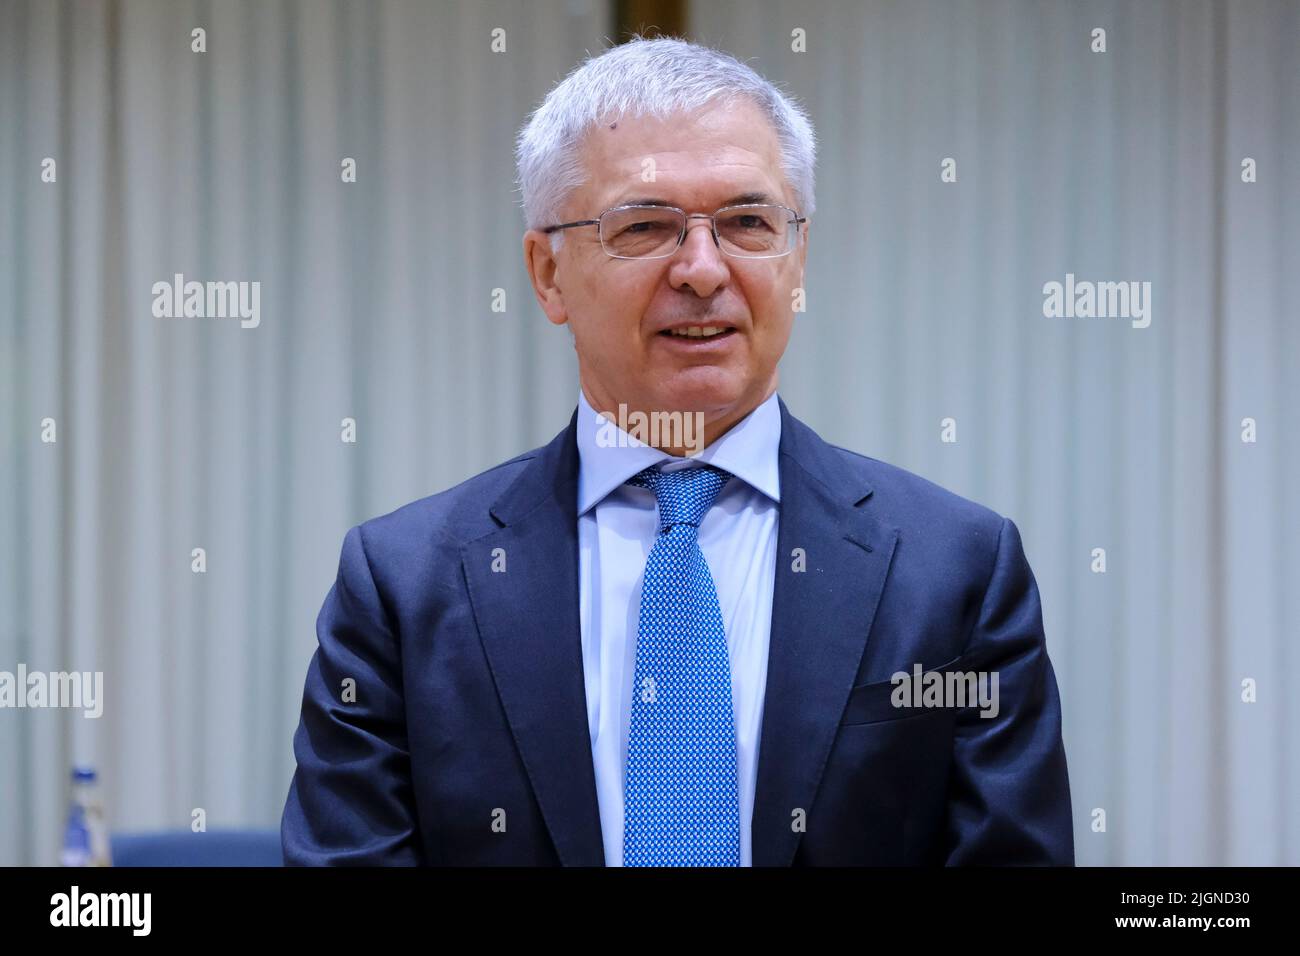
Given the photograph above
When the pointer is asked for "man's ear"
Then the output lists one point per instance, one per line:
(543, 271)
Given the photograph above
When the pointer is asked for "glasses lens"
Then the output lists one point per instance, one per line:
(755, 230)
(640, 232)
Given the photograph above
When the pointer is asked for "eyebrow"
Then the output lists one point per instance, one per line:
(743, 199)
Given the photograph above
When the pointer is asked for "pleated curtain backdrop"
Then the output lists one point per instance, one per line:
(378, 303)
(925, 303)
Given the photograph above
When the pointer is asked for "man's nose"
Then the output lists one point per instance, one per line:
(699, 264)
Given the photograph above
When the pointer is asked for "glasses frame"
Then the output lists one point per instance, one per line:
(795, 220)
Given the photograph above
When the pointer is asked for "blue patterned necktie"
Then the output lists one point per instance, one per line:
(680, 805)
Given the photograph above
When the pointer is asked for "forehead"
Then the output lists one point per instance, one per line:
(693, 160)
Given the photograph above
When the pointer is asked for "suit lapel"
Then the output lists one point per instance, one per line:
(529, 624)
(821, 617)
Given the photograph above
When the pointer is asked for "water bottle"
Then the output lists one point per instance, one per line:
(85, 841)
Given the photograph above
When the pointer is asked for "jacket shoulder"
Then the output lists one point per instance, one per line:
(918, 506)
(454, 515)
(421, 540)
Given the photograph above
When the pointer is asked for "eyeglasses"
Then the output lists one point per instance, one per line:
(750, 231)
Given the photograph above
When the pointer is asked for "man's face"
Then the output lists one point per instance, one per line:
(618, 309)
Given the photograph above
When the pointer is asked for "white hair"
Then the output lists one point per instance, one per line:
(659, 78)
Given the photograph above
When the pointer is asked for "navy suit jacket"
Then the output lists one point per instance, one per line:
(466, 740)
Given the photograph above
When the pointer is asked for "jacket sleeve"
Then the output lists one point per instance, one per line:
(1009, 792)
(351, 801)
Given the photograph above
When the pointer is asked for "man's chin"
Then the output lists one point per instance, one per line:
(713, 395)
(716, 392)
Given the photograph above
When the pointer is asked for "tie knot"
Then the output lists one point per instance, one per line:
(685, 494)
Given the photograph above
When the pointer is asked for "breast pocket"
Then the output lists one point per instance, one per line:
(885, 700)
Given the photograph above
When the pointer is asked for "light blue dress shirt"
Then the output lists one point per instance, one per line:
(616, 529)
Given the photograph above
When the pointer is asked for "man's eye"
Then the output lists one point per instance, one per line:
(645, 226)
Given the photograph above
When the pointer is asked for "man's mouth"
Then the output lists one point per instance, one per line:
(699, 333)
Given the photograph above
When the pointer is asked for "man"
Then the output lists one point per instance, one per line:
(630, 649)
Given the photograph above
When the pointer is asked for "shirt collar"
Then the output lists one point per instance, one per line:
(749, 450)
